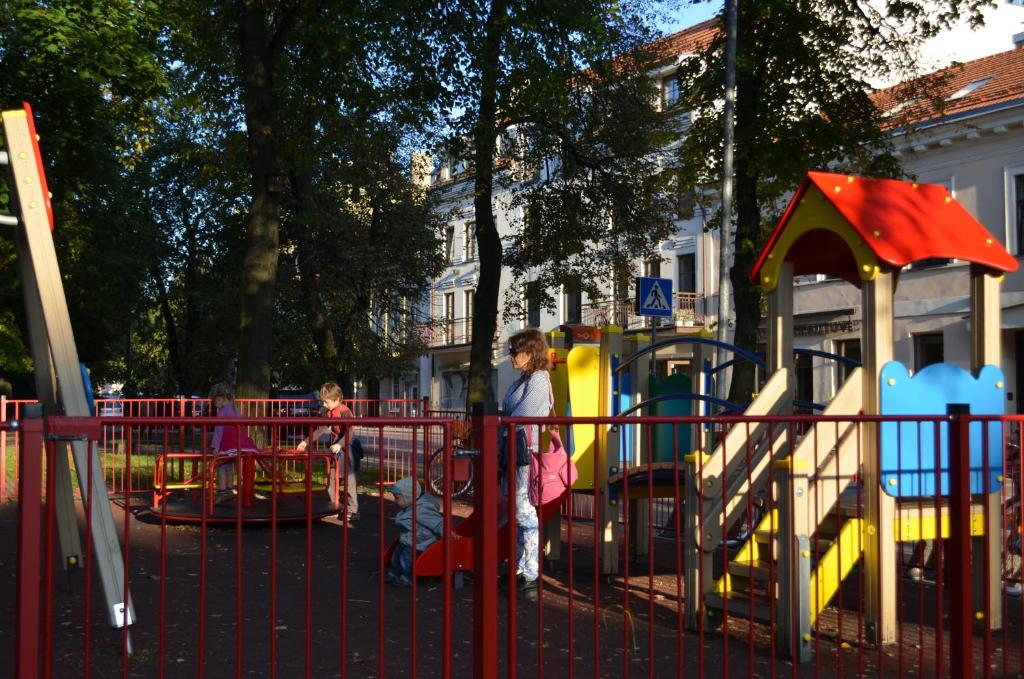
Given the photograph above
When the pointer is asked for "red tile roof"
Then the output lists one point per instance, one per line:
(688, 40)
(1006, 70)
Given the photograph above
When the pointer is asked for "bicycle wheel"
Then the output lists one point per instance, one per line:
(462, 481)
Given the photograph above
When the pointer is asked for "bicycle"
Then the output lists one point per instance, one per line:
(462, 465)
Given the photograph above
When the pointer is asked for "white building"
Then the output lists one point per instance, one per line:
(975, 147)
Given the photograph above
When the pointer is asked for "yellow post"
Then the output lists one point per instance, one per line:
(606, 447)
(880, 508)
(551, 531)
(985, 350)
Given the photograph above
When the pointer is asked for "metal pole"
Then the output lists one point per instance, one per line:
(30, 502)
(961, 613)
(728, 115)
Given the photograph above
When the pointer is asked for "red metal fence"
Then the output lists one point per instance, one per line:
(770, 567)
(124, 433)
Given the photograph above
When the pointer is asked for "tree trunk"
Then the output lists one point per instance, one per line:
(309, 275)
(749, 233)
(259, 274)
(190, 318)
(485, 301)
(170, 327)
(746, 295)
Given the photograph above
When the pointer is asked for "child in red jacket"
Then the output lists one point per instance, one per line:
(330, 399)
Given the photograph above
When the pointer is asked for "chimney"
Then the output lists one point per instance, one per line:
(422, 166)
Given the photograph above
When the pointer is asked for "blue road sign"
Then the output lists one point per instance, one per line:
(654, 297)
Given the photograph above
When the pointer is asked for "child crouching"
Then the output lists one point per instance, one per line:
(430, 528)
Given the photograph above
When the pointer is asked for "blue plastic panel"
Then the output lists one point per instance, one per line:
(908, 449)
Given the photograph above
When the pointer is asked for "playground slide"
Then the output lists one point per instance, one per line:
(431, 561)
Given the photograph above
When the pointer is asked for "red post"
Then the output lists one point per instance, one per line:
(485, 547)
(425, 410)
(3, 450)
(961, 613)
(30, 504)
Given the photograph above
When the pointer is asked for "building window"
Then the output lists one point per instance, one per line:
(804, 382)
(652, 268)
(573, 306)
(449, 317)
(686, 267)
(670, 91)
(928, 349)
(449, 244)
(467, 300)
(532, 307)
(969, 88)
(930, 263)
(469, 242)
(847, 349)
(1016, 204)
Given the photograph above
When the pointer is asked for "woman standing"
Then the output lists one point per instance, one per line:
(528, 396)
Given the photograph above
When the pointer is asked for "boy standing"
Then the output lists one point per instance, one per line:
(330, 400)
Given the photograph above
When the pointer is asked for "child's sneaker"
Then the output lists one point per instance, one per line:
(402, 581)
(1012, 589)
(223, 495)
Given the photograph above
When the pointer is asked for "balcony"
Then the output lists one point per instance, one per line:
(446, 332)
(688, 311)
(455, 332)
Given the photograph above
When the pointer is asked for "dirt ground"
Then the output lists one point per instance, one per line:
(228, 611)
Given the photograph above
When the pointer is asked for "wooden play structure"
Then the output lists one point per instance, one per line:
(864, 231)
(856, 489)
(828, 504)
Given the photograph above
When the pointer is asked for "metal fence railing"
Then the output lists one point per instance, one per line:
(819, 546)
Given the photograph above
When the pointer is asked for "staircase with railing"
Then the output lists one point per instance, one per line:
(807, 542)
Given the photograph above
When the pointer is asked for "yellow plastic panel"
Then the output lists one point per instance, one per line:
(584, 376)
(914, 528)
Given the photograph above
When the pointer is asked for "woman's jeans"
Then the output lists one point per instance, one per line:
(527, 528)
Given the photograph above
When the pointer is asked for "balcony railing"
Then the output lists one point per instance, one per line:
(455, 332)
(447, 332)
(688, 311)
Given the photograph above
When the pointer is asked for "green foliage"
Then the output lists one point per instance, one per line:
(802, 103)
(569, 79)
(90, 72)
(605, 201)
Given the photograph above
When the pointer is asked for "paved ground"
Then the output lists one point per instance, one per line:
(226, 611)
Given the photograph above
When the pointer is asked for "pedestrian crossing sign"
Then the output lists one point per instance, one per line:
(654, 297)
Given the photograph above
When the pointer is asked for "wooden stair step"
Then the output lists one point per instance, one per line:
(738, 605)
(758, 570)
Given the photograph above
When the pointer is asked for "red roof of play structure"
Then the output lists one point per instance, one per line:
(902, 222)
